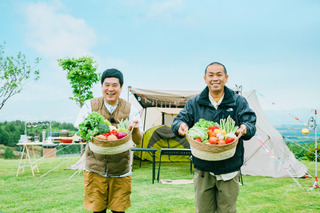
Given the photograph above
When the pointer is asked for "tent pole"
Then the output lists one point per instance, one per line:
(128, 93)
(144, 121)
(315, 183)
(162, 118)
(144, 130)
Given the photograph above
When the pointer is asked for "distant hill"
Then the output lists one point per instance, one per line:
(294, 133)
(291, 128)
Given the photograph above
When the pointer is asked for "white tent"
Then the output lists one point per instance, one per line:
(266, 154)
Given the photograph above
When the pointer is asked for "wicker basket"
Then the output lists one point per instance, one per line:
(111, 147)
(212, 152)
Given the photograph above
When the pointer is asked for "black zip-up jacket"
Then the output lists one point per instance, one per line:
(232, 104)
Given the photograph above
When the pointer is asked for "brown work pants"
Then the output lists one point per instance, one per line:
(104, 192)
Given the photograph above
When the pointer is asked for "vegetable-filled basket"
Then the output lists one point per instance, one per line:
(103, 137)
(110, 147)
(212, 152)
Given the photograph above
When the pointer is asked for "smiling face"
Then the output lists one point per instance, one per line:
(215, 79)
(111, 90)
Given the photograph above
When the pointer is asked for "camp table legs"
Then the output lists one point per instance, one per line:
(170, 151)
(153, 153)
(28, 149)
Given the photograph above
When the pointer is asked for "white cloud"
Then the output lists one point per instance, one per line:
(169, 10)
(56, 34)
(110, 62)
(165, 8)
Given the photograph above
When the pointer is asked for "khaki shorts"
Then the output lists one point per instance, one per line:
(106, 193)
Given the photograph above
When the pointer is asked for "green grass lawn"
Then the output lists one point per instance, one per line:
(55, 192)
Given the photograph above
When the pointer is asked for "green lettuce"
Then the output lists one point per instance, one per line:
(205, 124)
(198, 132)
(89, 127)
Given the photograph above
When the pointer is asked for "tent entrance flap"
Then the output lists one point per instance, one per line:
(167, 115)
(162, 137)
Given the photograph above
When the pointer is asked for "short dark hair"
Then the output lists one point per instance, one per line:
(216, 63)
(112, 73)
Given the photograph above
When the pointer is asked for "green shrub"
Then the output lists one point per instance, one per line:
(8, 153)
(311, 154)
(299, 150)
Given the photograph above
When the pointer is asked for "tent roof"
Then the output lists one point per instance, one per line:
(170, 111)
(162, 98)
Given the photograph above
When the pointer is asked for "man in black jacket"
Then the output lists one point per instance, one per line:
(216, 182)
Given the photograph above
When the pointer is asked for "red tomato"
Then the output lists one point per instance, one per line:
(198, 139)
(213, 128)
(106, 135)
(114, 132)
(229, 140)
(213, 140)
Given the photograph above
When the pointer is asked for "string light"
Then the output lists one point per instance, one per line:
(157, 102)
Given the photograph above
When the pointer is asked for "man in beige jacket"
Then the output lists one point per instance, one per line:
(107, 178)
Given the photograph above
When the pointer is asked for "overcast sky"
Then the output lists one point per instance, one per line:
(271, 46)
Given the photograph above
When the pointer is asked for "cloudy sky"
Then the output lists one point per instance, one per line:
(271, 46)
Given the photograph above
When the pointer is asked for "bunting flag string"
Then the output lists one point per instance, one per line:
(294, 117)
(291, 115)
(266, 149)
(275, 158)
(272, 155)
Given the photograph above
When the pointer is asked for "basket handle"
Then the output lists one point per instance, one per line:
(240, 135)
(130, 131)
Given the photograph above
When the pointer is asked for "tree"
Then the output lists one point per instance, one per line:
(11, 131)
(15, 74)
(8, 153)
(310, 154)
(4, 137)
(82, 75)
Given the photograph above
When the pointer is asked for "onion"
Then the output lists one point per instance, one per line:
(121, 135)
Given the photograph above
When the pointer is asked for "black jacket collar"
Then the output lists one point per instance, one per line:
(228, 99)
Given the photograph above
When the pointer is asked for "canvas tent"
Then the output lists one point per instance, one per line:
(266, 154)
